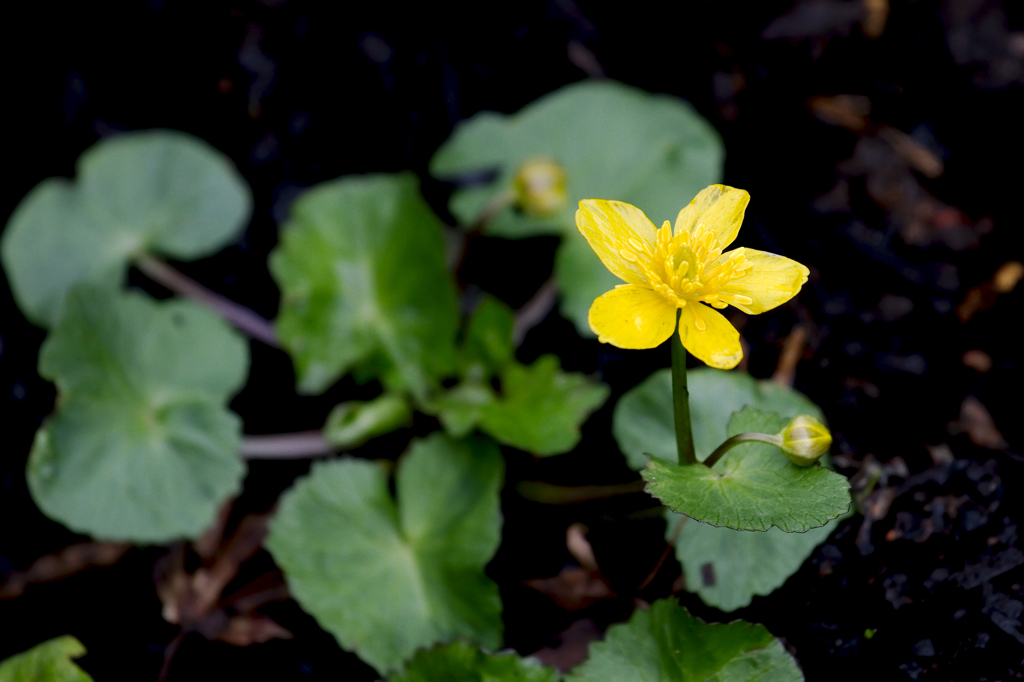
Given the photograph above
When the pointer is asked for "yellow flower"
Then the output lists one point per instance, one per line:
(540, 187)
(804, 440)
(685, 270)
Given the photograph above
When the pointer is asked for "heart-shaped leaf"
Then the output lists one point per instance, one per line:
(460, 662)
(135, 193)
(361, 266)
(387, 579)
(728, 567)
(643, 423)
(753, 487)
(667, 644)
(46, 662)
(615, 142)
(141, 447)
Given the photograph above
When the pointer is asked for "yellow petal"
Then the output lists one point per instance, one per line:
(709, 336)
(717, 209)
(631, 316)
(771, 281)
(609, 226)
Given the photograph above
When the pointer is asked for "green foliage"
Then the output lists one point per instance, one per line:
(47, 662)
(615, 142)
(389, 578)
(753, 487)
(460, 662)
(488, 339)
(541, 407)
(135, 193)
(727, 567)
(141, 447)
(667, 644)
(361, 267)
(352, 423)
(643, 423)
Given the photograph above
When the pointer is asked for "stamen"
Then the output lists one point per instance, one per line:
(628, 255)
(699, 323)
(635, 244)
(738, 298)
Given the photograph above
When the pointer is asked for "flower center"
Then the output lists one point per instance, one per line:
(689, 267)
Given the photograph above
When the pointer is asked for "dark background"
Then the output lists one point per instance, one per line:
(300, 92)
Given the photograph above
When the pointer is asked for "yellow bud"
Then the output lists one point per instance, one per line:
(804, 440)
(540, 187)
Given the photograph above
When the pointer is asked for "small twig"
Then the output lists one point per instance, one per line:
(457, 255)
(241, 317)
(792, 350)
(69, 561)
(286, 446)
(547, 493)
(535, 310)
(664, 555)
(169, 651)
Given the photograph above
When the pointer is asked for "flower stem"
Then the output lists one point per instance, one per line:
(681, 403)
(736, 440)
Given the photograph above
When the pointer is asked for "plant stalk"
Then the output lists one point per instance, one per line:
(736, 440)
(681, 403)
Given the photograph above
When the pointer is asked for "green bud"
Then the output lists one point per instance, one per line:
(805, 440)
(352, 423)
(540, 187)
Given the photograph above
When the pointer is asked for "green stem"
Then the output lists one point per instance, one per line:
(736, 440)
(681, 403)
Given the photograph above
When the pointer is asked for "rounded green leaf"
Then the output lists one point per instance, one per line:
(541, 408)
(728, 567)
(615, 142)
(141, 447)
(153, 190)
(460, 662)
(643, 423)
(361, 267)
(667, 644)
(753, 487)
(387, 579)
(46, 662)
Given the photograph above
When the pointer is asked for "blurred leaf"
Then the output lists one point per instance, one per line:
(753, 487)
(541, 407)
(352, 423)
(488, 339)
(46, 662)
(141, 447)
(615, 142)
(727, 567)
(135, 193)
(361, 267)
(643, 423)
(461, 408)
(387, 579)
(460, 662)
(667, 644)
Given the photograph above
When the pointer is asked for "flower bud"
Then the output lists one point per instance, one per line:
(804, 440)
(540, 187)
(352, 423)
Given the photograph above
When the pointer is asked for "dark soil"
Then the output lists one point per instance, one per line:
(925, 583)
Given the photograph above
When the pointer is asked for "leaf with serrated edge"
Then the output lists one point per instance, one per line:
(460, 662)
(46, 662)
(141, 447)
(542, 407)
(667, 644)
(727, 567)
(615, 142)
(388, 579)
(753, 487)
(361, 267)
(149, 191)
(643, 423)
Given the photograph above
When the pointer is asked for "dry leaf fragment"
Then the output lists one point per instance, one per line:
(977, 360)
(976, 421)
(65, 563)
(246, 630)
(846, 111)
(876, 14)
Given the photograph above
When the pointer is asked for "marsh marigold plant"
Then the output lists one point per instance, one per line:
(685, 270)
